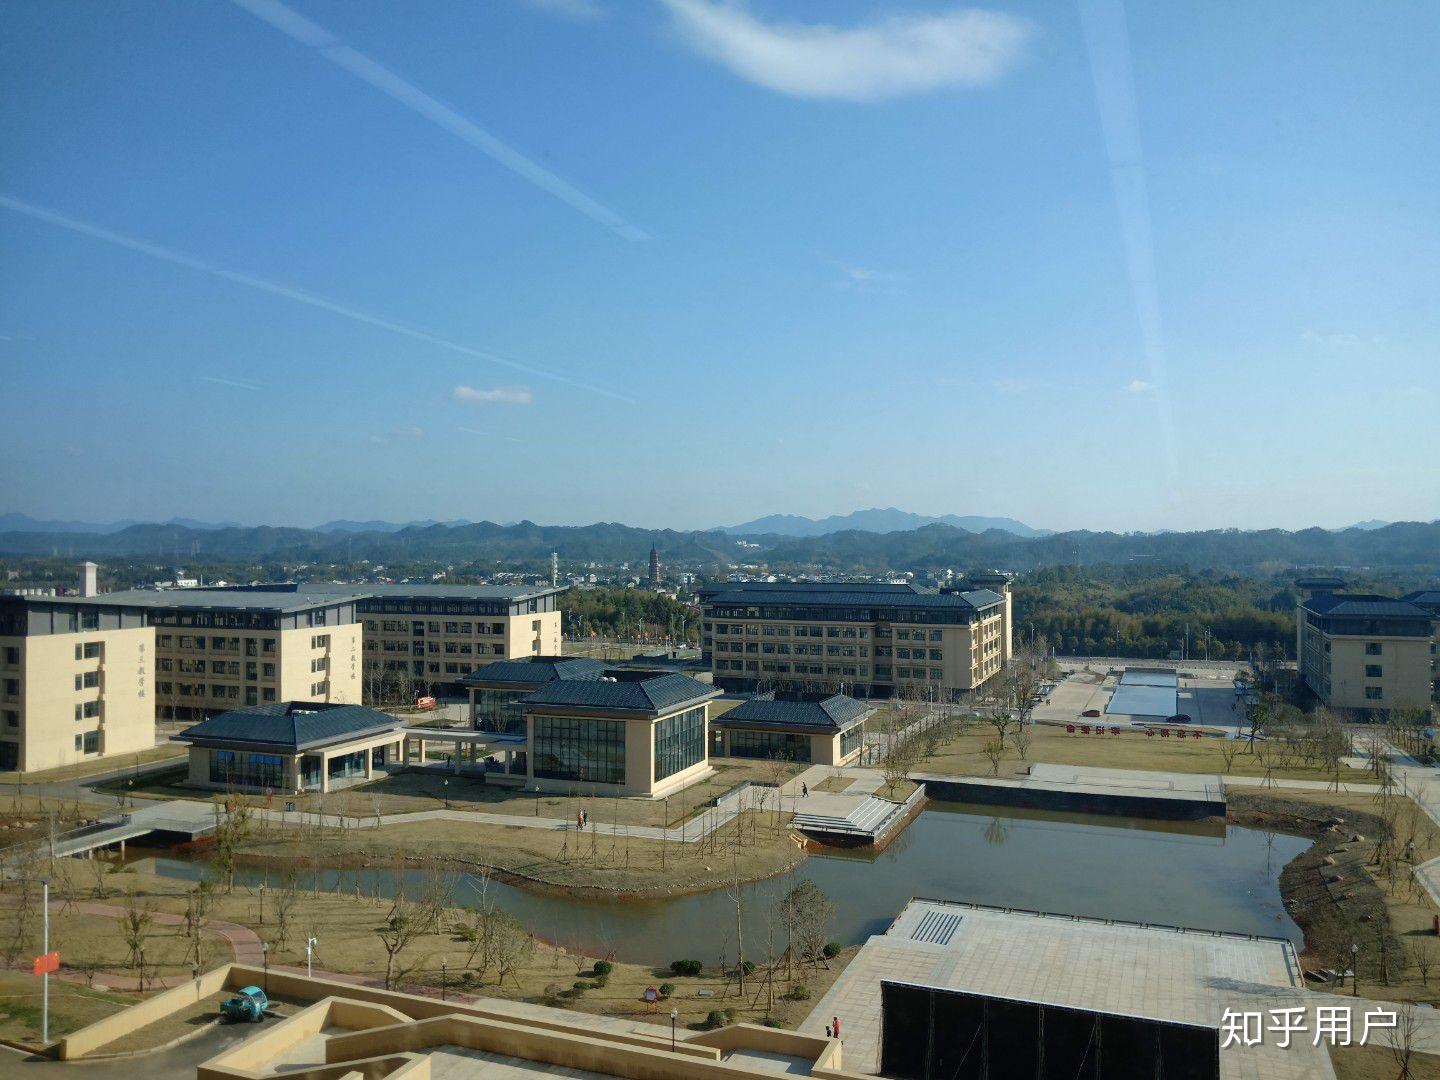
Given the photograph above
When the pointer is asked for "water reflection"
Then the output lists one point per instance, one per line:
(1200, 874)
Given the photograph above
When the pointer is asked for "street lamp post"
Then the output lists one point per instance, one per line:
(262, 903)
(1354, 969)
(674, 1015)
(443, 965)
(445, 784)
(265, 962)
(310, 943)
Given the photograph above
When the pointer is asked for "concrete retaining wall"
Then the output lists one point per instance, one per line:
(1043, 796)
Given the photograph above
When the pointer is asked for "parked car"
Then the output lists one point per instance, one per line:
(1179, 718)
(1091, 712)
(248, 1006)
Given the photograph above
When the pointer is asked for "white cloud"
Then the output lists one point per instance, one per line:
(900, 55)
(570, 9)
(1139, 386)
(495, 395)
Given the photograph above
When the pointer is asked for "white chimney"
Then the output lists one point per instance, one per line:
(89, 586)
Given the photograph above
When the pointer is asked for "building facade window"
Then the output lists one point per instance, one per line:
(233, 768)
(576, 748)
(783, 745)
(679, 742)
(499, 710)
(851, 738)
(1374, 693)
(1374, 671)
(1373, 648)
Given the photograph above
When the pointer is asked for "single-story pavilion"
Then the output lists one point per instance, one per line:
(624, 733)
(816, 728)
(290, 747)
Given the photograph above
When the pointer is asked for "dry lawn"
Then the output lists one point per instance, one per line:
(597, 859)
(94, 768)
(1128, 750)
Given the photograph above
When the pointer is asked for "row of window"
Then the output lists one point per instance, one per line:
(421, 648)
(767, 630)
(590, 751)
(216, 691)
(215, 667)
(266, 646)
(234, 768)
(405, 626)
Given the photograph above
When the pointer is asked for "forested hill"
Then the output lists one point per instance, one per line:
(1407, 546)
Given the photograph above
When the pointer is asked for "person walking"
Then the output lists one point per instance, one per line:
(804, 790)
(835, 1025)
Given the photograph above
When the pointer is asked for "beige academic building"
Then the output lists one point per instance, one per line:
(76, 681)
(221, 649)
(874, 640)
(1361, 651)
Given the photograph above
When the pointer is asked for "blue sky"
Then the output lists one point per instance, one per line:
(686, 262)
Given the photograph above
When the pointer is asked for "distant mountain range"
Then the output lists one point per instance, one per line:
(26, 523)
(343, 526)
(888, 520)
(1410, 546)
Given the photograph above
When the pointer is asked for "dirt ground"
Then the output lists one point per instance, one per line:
(1128, 750)
(412, 791)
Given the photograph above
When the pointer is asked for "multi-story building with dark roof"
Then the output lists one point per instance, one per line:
(1429, 599)
(426, 638)
(1363, 651)
(872, 640)
(222, 649)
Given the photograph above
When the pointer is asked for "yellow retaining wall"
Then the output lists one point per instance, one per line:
(89, 1039)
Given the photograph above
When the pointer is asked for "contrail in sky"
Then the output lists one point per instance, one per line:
(156, 251)
(1107, 42)
(294, 25)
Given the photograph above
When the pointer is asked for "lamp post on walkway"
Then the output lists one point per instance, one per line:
(265, 961)
(310, 943)
(674, 1015)
(443, 964)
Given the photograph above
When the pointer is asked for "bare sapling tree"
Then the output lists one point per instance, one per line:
(402, 927)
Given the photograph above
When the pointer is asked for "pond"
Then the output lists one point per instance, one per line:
(1199, 874)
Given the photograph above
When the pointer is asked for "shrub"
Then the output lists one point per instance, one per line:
(715, 1019)
(666, 989)
(799, 992)
(602, 980)
(832, 949)
(687, 967)
(581, 984)
(748, 967)
(730, 1014)
(603, 967)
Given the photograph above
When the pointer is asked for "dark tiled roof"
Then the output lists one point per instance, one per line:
(657, 694)
(886, 587)
(535, 670)
(1426, 598)
(228, 599)
(834, 713)
(435, 592)
(972, 600)
(1364, 605)
(292, 725)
